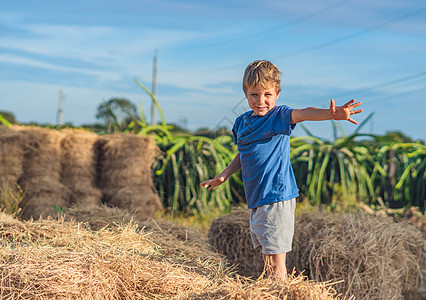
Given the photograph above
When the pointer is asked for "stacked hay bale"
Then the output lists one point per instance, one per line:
(230, 235)
(124, 173)
(11, 157)
(45, 194)
(373, 256)
(78, 167)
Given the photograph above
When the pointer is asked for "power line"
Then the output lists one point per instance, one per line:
(248, 36)
(322, 45)
(352, 35)
(366, 90)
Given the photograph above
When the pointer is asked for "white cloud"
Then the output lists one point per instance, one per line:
(9, 58)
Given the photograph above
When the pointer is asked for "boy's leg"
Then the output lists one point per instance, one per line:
(275, 265)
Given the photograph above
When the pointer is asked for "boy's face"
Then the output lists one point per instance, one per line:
(261, 100)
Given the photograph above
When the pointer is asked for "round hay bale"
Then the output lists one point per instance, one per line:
(375, 257)
(125, 160)
(141, 201)
(44, 197)
(230, 235)
(11, 156)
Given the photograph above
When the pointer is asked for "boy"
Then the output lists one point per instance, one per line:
(263, 139)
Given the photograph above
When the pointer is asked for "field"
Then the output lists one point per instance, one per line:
(121, 215)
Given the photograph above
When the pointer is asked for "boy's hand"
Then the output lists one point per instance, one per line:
(218, 180)
(344, 112)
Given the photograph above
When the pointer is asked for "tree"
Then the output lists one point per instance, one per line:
(117, 113)
(8, 116)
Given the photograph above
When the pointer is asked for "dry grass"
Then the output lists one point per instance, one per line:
(57, 259)
(373, 257)
(376, 257)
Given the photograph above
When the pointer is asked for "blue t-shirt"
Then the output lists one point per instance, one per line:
(264, 146)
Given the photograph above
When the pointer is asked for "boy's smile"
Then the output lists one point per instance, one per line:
(261, 100)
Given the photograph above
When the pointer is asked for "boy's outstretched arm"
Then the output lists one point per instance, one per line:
(233, 167)
(343, 112)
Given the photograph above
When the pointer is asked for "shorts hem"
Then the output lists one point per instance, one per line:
(272, 252)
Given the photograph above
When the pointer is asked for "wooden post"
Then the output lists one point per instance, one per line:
(390, 178)
(154, 85)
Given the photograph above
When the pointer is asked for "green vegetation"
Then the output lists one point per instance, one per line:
(339, 174)
(11, 197)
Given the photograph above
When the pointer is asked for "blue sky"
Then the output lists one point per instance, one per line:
(373, 51)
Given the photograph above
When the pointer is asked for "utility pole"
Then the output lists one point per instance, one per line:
(59, 114)
(154, 84)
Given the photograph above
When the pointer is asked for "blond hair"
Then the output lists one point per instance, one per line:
(263, 73)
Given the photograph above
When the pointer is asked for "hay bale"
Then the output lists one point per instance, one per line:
(173, 240)
(376, 257)
(140, 201)
(100, 216)
(45, 196)
(78, 167)
(125, 160)
(78, 157)
(11, 157)
(230, 235)
(125, 174)
(41, 153)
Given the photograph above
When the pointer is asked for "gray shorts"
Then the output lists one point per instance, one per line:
(272, 226)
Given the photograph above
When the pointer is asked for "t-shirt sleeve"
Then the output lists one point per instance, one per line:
(282, 121)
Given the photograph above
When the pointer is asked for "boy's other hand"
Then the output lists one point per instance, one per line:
(345, 111)
(218, 180)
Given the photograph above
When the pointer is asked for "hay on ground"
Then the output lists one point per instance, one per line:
(182, 241)
(230, 235)
(54, 259)
(173, 240)
(72, 236)
(11, 157)
(100, 216)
